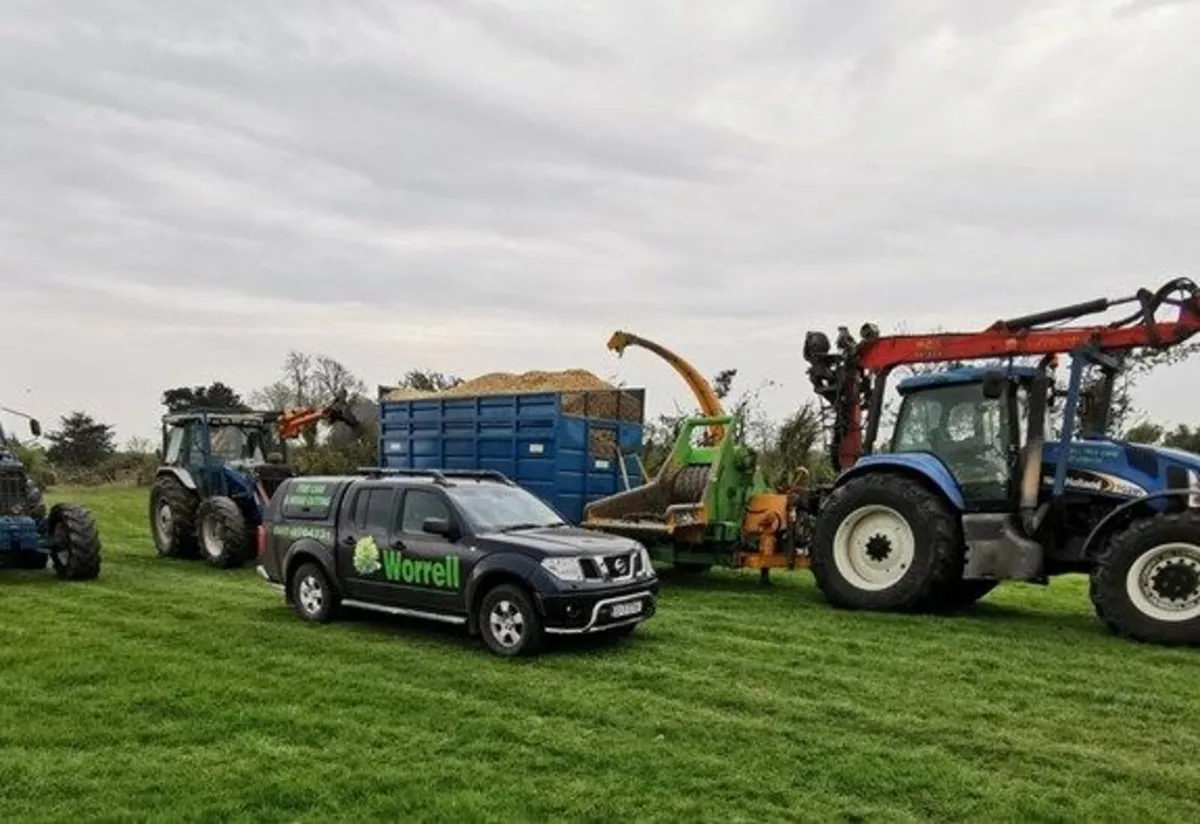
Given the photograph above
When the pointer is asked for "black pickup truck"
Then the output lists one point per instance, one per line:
(467, 548)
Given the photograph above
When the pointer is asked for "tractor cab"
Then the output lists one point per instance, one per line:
(227, 451)
(975, 420)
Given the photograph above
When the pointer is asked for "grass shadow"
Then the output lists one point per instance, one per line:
(399, 627)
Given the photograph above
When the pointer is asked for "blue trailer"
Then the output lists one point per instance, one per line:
(568, 448)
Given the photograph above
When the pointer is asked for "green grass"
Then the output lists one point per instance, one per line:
(170, 691)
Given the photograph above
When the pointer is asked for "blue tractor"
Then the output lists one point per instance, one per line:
(219, 471)
(32, 536)
(975, 488)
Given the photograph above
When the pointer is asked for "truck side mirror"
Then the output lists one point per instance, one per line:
(440, 526)
(35, 428)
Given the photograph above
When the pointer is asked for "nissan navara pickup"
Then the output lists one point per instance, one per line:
(464, 547)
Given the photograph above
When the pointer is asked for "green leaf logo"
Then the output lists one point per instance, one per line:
(366, 556)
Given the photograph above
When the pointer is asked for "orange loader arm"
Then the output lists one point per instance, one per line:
(291, 423)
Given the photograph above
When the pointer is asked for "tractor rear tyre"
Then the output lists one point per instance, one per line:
(75, 542)
(222, 532)
(1146, 584)
(885, 542)
(173, 518)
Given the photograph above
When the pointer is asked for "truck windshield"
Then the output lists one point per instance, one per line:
(497, 508)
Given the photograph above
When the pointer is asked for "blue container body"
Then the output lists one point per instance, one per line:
(567, 460)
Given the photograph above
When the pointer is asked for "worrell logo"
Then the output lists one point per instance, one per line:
(443, 573)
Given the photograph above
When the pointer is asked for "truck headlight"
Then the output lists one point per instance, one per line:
(647, 566)
(1194, 486)
(564, 569)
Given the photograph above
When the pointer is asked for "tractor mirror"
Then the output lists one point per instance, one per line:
(35, 428)
(993, 385)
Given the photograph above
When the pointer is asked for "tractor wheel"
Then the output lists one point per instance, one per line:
(173, 518)
(222, 532)
(884, 542)
(75, 543)
(1146, 584)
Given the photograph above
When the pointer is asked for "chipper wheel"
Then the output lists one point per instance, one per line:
(173, 518)
(222, 532)
(1146, 584)
(884, 542)
(75, 542)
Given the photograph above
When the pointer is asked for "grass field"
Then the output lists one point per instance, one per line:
(170, 691)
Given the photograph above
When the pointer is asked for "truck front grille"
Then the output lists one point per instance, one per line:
(620, 567)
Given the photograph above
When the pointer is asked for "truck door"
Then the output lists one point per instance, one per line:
(428, 570)
(364, 533)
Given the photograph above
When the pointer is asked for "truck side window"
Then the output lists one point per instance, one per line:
(420, 504)
(378, 509)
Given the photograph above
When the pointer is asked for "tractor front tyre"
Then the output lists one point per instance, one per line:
(884, 542)
(1146, 584)
(173, 518)
(75, 543)
(222, 532)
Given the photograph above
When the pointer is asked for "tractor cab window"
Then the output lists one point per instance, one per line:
(241, 443)
(180, 442)
(966, 430)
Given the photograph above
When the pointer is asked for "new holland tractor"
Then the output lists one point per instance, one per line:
(975, 488)
(32, 536)
(219, 471)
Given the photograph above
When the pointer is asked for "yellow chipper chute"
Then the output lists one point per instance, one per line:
(710, 502)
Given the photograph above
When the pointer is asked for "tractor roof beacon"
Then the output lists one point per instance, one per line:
(464, 547)
(32, 536)
(219, 471)
(974, 488)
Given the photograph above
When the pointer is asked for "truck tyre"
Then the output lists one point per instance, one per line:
(884, 542)
(75, 543)
(222, 533)
(509, 623)
(173, 518)
(1146, 584)
(312, 596)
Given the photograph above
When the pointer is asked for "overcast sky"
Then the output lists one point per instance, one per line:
(190, 189)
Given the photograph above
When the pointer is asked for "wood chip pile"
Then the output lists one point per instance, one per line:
(584, 393)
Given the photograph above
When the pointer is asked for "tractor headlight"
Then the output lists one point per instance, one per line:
(1194, 486)
(564, 569)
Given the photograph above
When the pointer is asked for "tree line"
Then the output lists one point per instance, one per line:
(83, 449)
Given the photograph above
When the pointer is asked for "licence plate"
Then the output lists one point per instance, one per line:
(626, 609)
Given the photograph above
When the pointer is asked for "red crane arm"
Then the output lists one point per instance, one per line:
(897, 350)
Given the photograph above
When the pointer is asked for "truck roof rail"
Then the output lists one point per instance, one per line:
(439, 476)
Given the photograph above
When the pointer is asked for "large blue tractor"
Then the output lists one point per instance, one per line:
(31, 536)
(975, 488)
(219, 470)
